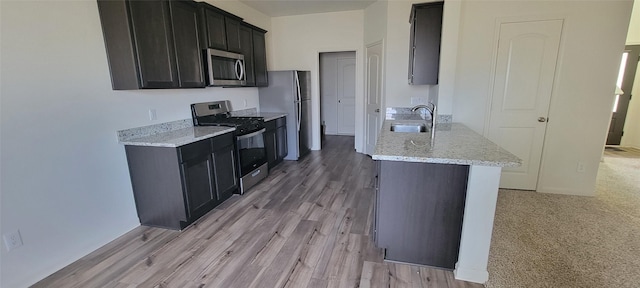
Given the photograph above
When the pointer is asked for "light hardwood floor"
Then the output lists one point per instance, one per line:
(307, 225)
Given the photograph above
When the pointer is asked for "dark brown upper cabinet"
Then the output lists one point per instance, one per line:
(424, 48)
(152, 44)
(224, 31)
(220, 29)
(232, 26)
(246, 49)
(184, 16)
(213, 28)
(260, 57)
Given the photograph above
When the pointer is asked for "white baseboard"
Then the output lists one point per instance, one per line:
(471, 275)
(564, 191)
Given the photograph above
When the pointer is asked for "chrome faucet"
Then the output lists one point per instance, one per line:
(432, 111)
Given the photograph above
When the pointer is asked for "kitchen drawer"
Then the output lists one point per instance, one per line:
(221, 141)
(281, 121)
(270, 126)
(194, 150)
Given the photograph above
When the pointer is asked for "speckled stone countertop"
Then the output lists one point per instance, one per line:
(268, 116)
(178, 137)
(182, 132)
(453, 143)
(253, 112)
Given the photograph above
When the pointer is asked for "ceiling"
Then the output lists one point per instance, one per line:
(276, 8)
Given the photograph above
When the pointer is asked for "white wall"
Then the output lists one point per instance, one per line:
(297, 42)
(633, 34)
(397, 89)
(592, 40)
(375, 30)
(631, 130)
(632, 124)
(375, 22)
(65, 183)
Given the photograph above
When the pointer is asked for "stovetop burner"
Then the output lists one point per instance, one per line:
(217, 114)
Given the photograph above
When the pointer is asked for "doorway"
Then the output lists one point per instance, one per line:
(338, 92)
(373, 94)
(626, 76)
(523, 82)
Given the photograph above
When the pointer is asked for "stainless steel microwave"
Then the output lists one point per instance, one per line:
(225, 68)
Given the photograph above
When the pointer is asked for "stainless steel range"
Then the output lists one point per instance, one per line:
(250, 149)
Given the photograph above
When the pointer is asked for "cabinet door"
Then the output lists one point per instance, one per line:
(270, 143)
(420, 212)
(198, 185)
(216, 32)
(226, 180)
(154, 44)
(424, 56)
(271, 147)
(232, 27)
(260, 59)
(184, 17)
(246, 47)
(281, 140)
(376, 183)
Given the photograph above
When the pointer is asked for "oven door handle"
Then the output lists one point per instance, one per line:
(245, 136)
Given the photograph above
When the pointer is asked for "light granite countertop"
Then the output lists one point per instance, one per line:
(253, 112)
(268, 116)
(179, 137)
(453, 143)
(182, 132)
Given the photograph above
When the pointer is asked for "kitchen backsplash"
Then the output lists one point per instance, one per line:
(244, 112)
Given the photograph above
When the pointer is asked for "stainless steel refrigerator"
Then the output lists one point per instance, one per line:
(290, 92)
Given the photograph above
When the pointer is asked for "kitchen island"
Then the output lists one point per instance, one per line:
(437, 195)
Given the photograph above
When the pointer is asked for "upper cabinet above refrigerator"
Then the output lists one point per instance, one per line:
(424, 48)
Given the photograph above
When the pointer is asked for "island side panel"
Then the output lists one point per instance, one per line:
(479, 212)
(420, 212)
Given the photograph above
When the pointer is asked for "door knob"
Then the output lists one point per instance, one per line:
(377, 110)
(542, 119)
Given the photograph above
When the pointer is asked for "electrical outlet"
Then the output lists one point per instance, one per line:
(580, 168)
(12, 240)
(152, 114)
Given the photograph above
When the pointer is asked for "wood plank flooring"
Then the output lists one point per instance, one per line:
(307, 225)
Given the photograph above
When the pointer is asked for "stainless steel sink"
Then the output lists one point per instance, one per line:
(409, 128)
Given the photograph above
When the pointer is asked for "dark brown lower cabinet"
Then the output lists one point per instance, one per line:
(270, 143)
(224, 157)
(173, 187)
(419, 212)
(281, 138)
(275, 141)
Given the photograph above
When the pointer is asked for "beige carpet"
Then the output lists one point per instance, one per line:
(544, 240)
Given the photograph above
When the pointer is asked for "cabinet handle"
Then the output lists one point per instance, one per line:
(254, 174)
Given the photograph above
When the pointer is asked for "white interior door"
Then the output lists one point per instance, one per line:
(373, 95)
(346, 92)
(337, 92)
(524, 74)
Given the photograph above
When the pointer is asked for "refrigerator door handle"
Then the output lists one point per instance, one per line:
(299, 114)
(298, 99)
(298, 96)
